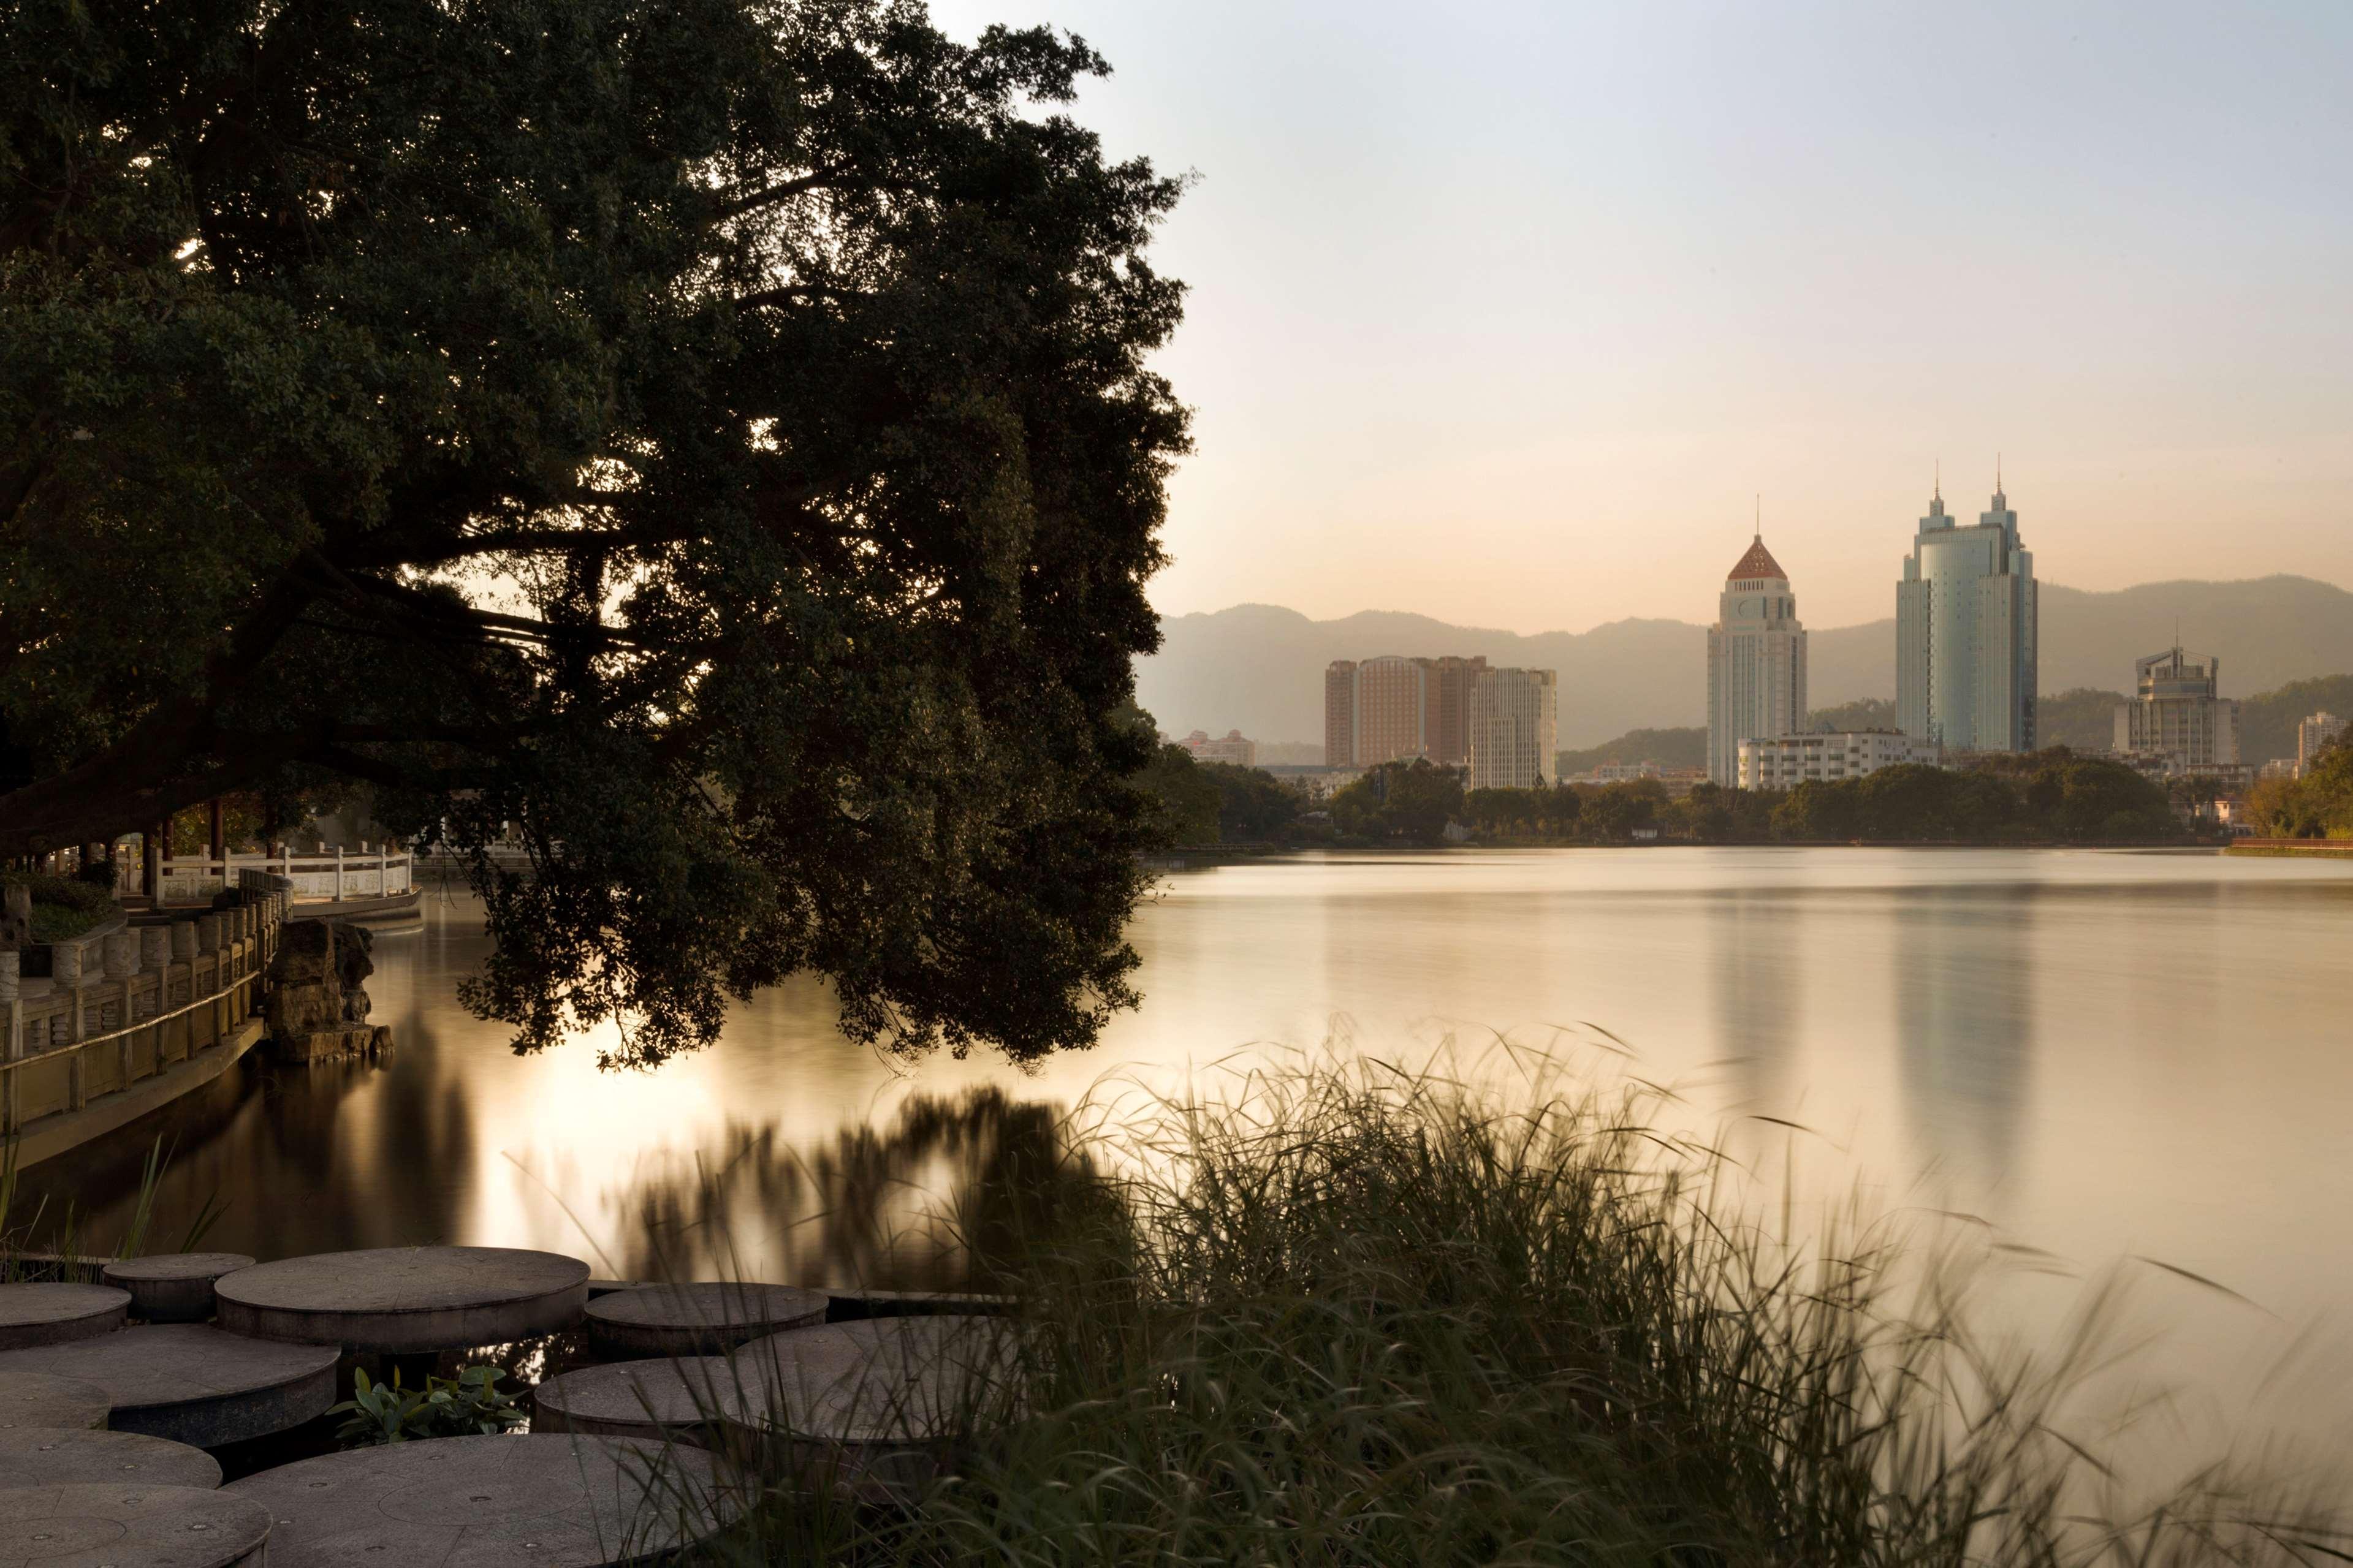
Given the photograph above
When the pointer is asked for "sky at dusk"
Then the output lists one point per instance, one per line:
(1503, 312)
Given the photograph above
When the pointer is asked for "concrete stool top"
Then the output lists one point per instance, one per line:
(653, 1400)
(49, 1314)
(32, 1457)
(405, 1299)
(877, 1379)
(545, 1500)
(704, 1319)
(173, 1287)
(194, 1383)
(129, 1527)
(45, 1400)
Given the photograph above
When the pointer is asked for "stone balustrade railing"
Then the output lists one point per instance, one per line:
(335, 874)
(162, 992)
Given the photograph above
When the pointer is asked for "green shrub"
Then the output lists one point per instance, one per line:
(63, 906)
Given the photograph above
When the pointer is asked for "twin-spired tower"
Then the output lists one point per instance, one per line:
(1965, 628)
(1755, 662)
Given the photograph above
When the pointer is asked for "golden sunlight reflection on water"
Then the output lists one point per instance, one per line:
(2106, 1055)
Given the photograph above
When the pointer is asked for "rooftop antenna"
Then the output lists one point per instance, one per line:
(1940, 477)
(1760, 516)
(1997, 473)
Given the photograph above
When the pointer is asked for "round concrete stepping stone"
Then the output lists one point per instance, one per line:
(32, 1457)
(101, 1526)
(697, 1320)
(173, 1287)
(678, 1401)
(194, 1383)
(405, 1300)
(36, 1399)
(50, 1314)
(849, 1305)
(877, 1406)
(547, 1500)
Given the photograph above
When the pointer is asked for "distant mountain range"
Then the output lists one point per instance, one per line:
(1260, 667)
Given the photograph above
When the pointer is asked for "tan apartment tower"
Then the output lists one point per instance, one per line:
(1385, 709)
(1514, 728)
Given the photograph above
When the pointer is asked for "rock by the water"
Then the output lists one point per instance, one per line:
(317, 1003)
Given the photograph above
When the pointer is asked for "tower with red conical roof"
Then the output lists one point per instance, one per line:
(1755, 661)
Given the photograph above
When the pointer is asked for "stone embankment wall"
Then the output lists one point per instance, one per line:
(125, 1003)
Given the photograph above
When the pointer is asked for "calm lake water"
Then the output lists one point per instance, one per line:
(2104, 1056)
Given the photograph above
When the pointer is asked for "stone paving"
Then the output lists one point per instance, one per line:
(548, 1501)
(99, 1526)
(51, 1313)
(872, 1407)
(173, 1287)
(44, 1399)
(405, 1300)
(615, 1467)
(34, 1456)
(194, 1383)
(698, 1320)
(677, 1399)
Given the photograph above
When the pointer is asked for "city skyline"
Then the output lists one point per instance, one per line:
(1663, 257)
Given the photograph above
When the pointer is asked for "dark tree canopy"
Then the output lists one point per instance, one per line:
(712, 435)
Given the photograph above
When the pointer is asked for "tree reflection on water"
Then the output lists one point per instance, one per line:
(346, 1155)
(940, 1199)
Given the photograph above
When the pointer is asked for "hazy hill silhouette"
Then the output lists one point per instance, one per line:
(1260, 667)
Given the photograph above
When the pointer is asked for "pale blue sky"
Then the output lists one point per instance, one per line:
(1501, 312)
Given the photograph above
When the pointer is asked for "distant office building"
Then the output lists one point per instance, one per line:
(1389, 709)
(2313, 736)
(1340, 713)
(1966, 624)
(2177, 712)
(1787, 761)
(1755, 661)
(1233, 747)
(1514, 728)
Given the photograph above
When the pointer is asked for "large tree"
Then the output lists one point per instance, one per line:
(711, 436)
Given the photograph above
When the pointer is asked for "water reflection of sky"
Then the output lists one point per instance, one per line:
(2099, 1054)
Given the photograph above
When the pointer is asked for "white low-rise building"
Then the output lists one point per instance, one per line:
(1784, 761)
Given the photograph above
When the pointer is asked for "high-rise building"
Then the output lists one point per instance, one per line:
(1452, 681)
(1385, 709)
(1514, 728)
(1340, 713)
(1755, 662)
(1392, 709)
(1965, 624)
(2313, 736)
(2177, 712)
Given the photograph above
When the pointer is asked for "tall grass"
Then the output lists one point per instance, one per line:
(1354, 1316)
